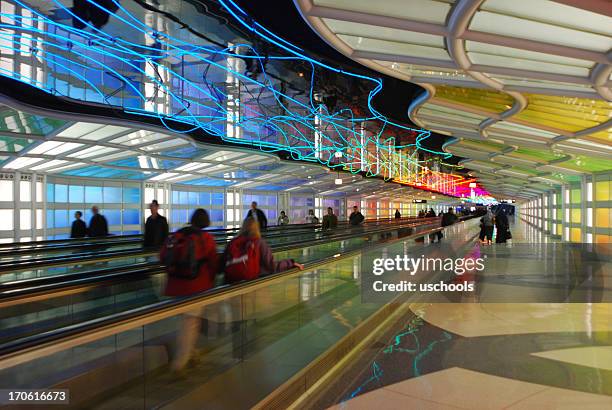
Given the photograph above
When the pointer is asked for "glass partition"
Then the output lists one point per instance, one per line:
(257, 336)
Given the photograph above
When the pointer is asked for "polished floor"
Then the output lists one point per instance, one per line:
(479, 355)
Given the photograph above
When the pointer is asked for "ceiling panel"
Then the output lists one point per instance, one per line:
(430, 11)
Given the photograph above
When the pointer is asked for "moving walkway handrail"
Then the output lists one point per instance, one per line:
(46, 343)
(135, 244)
(35, 246)
(110, 240)
(46, 261)
(49, 283)
(91, 256)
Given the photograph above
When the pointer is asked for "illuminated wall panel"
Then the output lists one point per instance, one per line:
(602, 216)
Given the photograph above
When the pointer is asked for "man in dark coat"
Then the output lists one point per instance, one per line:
(330, 221)
(97, 224)
(356, 218)
(502, 225)
(258, 215)
(156, 227)
(449, 218)
(78, 229)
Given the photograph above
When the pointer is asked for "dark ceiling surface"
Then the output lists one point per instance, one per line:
(283, 18)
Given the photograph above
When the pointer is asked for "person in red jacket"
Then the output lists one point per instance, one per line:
(206, 252)
(248, 256)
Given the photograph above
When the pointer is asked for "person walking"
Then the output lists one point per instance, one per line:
(486, 227)
(156, 227)
(283, 219)
(502, 225)
(78, 228)
(311, 217)
(356, 218)
(398, 215)
(330, 221)
(448, 218)
(258, 215)
(190, 257)
(98, 226)
(249, 256)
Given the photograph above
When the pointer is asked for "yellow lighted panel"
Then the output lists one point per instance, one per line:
(575, 216)
(565, 113)
(602, 239)
(485, 99)
(602, 190)
(575, 234)
(602, 217)
(601, 136)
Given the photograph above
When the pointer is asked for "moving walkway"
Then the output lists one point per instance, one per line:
(259, 334)
(94, 250)
(39, 304)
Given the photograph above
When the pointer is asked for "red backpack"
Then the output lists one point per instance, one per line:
(242, 259)
(181, 254)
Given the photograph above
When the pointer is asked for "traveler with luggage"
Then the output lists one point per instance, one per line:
(248, 256)
(191, 261)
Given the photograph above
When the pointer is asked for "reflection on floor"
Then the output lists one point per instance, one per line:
(457, 388)
(488, 355)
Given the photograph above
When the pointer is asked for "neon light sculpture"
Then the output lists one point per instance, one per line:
(205, 87)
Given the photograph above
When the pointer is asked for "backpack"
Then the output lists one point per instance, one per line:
(180, 254)
(242, 259)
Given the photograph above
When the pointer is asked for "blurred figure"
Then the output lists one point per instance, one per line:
(421, 214)
(356, 218)
(398, 215)
(448, 218)
(330, 221)
(311, 218)
(283, 219)
(431, 213)
(258, 215)
(156, 227)
(97, 224)
(486, 227)
(248, 256)
(190, 257)
(78, 228)
(502, 225)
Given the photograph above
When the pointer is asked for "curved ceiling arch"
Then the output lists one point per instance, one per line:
(520, 87)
